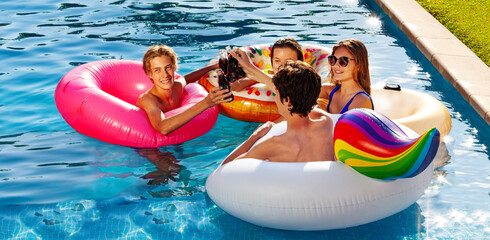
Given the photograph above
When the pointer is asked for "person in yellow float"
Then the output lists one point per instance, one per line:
(285, 49)
(349, 84)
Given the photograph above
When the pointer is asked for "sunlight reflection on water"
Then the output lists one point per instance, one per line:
(57, 183)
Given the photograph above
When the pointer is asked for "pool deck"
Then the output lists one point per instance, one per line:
(453, 59)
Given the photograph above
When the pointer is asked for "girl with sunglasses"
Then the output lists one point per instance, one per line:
(349, 73)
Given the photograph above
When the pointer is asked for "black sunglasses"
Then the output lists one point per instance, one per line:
(343, 61)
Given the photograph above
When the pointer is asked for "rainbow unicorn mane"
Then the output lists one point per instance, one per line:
(375, 146)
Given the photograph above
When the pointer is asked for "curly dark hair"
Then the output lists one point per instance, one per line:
(288, 43)
(299, 82)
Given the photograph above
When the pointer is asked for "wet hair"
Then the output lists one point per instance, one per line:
(288, 43)
(299, 82)
(361, 70)
(158, 51)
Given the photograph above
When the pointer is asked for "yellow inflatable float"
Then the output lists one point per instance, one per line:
(256, 102)
(416, 110)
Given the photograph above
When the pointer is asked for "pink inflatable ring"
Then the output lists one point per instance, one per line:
(98, 100)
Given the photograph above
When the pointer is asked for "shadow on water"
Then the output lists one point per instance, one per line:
(170, 177)
(409, 222)
(56, 183)
(178, 219)
(167, 165)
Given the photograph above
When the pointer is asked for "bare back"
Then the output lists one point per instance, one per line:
(306, 140)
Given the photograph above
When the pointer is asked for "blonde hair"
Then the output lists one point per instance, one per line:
(361, 71)
(158, 51)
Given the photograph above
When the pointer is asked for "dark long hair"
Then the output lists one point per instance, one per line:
(288, 43)
(361, 71)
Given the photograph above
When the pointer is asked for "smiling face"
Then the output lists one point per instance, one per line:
(162, 72)
(281, 56)
(346, 73)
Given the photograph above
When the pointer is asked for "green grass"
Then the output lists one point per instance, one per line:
(468, 20)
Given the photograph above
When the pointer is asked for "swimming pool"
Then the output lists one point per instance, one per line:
(56, 183)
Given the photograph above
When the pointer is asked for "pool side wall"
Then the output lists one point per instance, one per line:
(453, 59)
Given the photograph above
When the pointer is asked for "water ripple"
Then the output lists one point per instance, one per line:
(44, 160)
(27, 13)
(70, 5)
(28, 35)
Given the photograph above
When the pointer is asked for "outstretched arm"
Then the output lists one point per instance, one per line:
(197, 74)
(241, 84)
(242, 150)
(251, 70)
(166, 125)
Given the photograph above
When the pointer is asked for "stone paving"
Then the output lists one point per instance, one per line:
(454, 60)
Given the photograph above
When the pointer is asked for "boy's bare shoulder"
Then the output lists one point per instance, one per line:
(145, 99)
(275, 149)
(262, 150)
(320, 115)
(268, 143)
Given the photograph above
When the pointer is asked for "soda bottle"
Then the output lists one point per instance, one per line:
(223, 61)
(224, 83)
(235, 72)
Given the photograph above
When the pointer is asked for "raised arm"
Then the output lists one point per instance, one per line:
(251, 70)
(241, 84)
(166, 125)
(197, 74)
(242, 150)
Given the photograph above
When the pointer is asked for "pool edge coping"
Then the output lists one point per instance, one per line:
(453, 59)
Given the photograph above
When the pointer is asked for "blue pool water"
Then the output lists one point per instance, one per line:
(58, 184)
